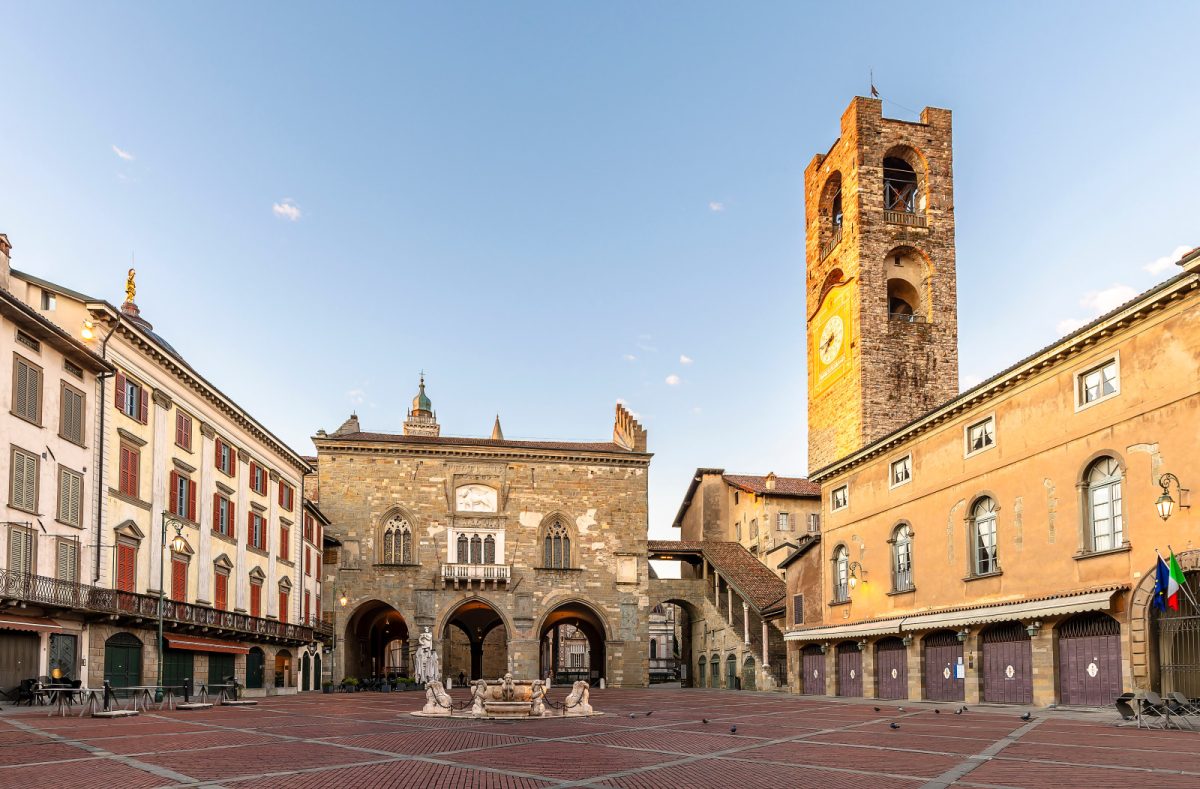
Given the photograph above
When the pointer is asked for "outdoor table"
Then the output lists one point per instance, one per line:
(206, 687)
(92, 700)
(141, 694)
(169, 696)
(60, 697)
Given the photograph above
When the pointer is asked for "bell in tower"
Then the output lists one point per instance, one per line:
(881, 302)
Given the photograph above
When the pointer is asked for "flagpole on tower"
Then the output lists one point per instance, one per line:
(874, 90)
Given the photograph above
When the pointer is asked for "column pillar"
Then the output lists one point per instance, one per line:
(158, 484)
(916, 672)
(241, 582)
(745, 623)
(868, 672)
(205, 486)
(764, 644)
(1044, 666)
(973, 669)
(729, 601)
(270, 605)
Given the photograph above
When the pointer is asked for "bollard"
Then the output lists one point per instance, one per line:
(107, 694)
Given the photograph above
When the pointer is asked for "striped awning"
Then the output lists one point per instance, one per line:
(33, 624)
(201, 644)
(1001, 612)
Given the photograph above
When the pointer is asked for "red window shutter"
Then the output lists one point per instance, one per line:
(283, 542)
(119, 395)
(255, 600)
(217, 453)
(250, 528)
(222, 590)
(307, 612)
(178, 580)
(307, 564)
(318, 606)
(281, 493)
(173, 494)
(134, 469)
(232, 522)
(123, 477)
(191, 513)
(179, 429)
(232, 462)
(143, 405)
(216, 524)
(126, 568)
(283, 606)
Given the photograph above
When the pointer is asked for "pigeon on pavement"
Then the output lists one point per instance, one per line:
(894, 725)
(705, 721)
(1026, 716)
(877, 709)
(733, 729)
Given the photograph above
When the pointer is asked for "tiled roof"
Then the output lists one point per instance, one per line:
(397, 438)
(784, 486)
(63, 341)
(749, 577)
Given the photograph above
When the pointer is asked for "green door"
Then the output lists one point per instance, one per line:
(316, 672)
(177, 666)
(123, 660)
(254, 668)
(304, 674)
(220, 666)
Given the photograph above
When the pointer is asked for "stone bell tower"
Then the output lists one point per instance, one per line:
(422, 420)
(881, 302)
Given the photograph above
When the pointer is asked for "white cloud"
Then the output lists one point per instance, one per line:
(684, 359)
(1068, 325)
(629, 357)
(1167, 261)
(673, 380)
(716, 207)
(1101, 301)
(126, 155)
(356, 396)
(286, 209)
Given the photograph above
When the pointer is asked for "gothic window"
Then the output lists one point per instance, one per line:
(900, 191)
(1104, 513)
(983, 537)
(476, 550)
(397, 541)
(462, 554)
(489, 550)
(902, 579)
(557, 546)
(841, 574)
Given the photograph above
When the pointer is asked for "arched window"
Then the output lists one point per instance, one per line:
(489, 550)
(462, 554)
(557, 546)
(397, 541)
(900, 191)
(841, 574)
(983, 537)
(476, 550)
(902, 579)
(653, 649)
(1105, 522)
(831, 214)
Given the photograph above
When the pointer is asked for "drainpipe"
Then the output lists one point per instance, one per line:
(102, 377)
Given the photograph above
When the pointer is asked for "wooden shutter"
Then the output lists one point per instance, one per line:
(232, 522)
(307, 610)
(255, 599)
(222, 590)
(250, 528)
(20, 551)
(191, 504)
(143, 405)
(283, 606)
(126, 567)
(173, 502)
(70, 487)
(119, 394)
(68, 560)
(21, 390)
(179, 580)
(217, 453)
(280, 493)
(216, 524)
(233, 461)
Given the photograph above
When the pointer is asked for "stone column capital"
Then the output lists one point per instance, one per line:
(161, 398)
(207, 430)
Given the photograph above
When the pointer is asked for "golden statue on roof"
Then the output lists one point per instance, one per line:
(130, 287)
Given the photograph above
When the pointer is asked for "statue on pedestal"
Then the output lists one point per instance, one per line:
(427, 667)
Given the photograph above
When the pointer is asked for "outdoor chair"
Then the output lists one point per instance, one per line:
(1157, 713)
(25, 692)
(1182, 705)
(1125, 708)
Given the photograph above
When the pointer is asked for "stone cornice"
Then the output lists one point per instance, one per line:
(493, 454)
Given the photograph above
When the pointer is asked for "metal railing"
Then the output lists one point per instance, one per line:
(907, 218)
(66, 594)
(830, 243)
(901, 317)
(476, 572)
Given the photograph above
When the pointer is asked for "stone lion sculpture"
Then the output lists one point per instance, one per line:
(437, 700)
(577, 702)
(477, 697)
(537, 700)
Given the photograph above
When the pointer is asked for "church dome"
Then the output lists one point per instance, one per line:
(422, 403)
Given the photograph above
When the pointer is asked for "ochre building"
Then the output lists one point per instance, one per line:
(513, 554)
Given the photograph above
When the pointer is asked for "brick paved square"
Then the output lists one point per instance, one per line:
(371, 740)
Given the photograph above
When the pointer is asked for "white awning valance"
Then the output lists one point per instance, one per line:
(1001, 612)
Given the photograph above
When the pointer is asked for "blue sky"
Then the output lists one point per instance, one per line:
(552, 206)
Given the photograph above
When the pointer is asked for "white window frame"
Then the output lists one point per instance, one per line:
(1115, 360)
(833, 507)
(892, 483)
(967, 451)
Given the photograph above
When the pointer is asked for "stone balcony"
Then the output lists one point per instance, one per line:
(460, 574)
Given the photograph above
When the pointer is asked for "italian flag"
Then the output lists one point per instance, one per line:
(1174, 582)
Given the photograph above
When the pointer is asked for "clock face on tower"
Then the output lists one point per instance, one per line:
(829, 343)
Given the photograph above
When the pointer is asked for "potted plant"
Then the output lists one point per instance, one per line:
(350, 684)
(327, 687)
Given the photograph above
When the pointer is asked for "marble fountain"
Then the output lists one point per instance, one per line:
(506, 699)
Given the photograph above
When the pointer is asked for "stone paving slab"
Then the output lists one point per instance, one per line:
(369, 740)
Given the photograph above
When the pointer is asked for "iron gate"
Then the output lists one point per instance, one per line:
(943, 656)
(891, 669)
(849, 663)
(1007, 664)
(813, 664)
(1089, 660)
(64, 653)
(1179, 643)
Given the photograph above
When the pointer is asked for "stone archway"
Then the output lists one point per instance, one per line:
(672, 628)
(474, 641)
(376, 641)
(1143, 653)
(572, 638)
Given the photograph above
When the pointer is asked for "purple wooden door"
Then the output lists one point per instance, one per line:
(943, 656)
(891, 669)
(1089, 661)
(1007, 664)
(814, 670)
(849, 665)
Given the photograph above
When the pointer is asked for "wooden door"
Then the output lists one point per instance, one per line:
(943, 656)
(123, 660)
(700, 672)
(254, 668)
(220, 666)
(814, 670)
(18, 658)
(1007, 664)
(849, 663)
(178, 665)
(891, 669)
(1089, 661)
(714, 673)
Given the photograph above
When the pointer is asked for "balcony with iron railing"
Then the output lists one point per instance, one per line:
(906, 218)
(829, 244)
(499, 573)
(66, 595)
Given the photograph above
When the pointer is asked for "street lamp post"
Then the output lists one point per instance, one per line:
(178, 545)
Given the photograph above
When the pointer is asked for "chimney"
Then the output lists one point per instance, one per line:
(5, 252)
(628, 432)
(771, 480)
